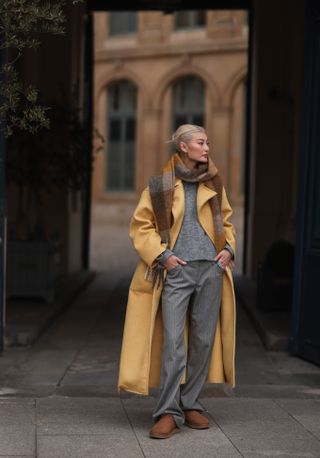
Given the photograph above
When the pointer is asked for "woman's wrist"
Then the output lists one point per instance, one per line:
(229, 249)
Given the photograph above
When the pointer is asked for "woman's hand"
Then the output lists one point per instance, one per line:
(173, 261)
(224, 257)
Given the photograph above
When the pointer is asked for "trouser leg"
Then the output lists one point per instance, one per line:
(175, 300)
(204, 311)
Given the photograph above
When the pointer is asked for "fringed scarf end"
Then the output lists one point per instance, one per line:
(158, 276)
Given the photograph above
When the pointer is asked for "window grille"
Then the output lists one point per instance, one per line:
(189, 19)
(121, 132)
(122, 23)
(188, 101)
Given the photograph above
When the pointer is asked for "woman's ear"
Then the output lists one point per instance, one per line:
(183, 147)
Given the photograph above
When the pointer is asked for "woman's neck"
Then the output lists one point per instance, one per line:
(189, 163)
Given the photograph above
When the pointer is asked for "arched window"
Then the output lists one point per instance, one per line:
(121, 136)
(188, 101)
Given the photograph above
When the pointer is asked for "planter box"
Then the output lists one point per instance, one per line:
(32, 269)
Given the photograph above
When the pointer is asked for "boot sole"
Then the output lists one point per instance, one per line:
(164, 436)
(193, 426)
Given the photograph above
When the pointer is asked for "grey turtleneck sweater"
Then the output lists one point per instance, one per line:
(192, 243)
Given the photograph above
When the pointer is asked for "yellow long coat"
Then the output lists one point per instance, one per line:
(142, 338)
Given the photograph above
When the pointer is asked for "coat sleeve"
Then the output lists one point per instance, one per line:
(143, 232)
(229, 230)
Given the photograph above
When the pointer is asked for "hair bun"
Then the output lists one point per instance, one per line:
(184, 134)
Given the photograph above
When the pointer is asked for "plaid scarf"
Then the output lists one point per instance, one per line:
(161, 191)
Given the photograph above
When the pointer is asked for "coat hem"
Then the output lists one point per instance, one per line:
(129, 390)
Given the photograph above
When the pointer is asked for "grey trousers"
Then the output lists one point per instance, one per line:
(193, 289)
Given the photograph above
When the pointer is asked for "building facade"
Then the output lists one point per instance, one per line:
(155, 71)
(158, 71)
(283, 173)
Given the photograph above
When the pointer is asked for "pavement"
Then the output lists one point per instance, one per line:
(59, 398)
(27, 319)
(272, 326)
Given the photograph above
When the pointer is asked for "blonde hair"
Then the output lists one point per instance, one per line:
(184, 134)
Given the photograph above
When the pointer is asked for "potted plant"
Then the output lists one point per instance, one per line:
(53, 159)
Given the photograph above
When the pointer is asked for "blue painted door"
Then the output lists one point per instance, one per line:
(306, 310)
(2, 223)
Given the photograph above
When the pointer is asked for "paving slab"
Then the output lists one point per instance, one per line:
(13, 401)
(278, 454)
(262, 427)
(109, 390)
(306, 412)
(17, 413)
(236, 410)
(274, 391)
(17, 439)
(111, 445)
(65, 416)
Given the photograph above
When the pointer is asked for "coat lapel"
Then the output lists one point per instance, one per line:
(204, 211)
(177, 210)
(204, 194)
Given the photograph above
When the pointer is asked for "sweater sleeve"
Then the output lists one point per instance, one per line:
(164, 256)
(228, 248)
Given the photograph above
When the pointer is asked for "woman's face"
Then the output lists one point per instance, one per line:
(197, 149)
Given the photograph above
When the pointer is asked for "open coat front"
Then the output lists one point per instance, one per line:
(142, 338)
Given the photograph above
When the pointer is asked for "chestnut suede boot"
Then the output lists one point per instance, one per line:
(164, 427)
(194, 419)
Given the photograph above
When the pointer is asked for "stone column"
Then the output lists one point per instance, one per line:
(220, 142)
(148, 156)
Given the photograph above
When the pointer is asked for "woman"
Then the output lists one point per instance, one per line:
(180, 320)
